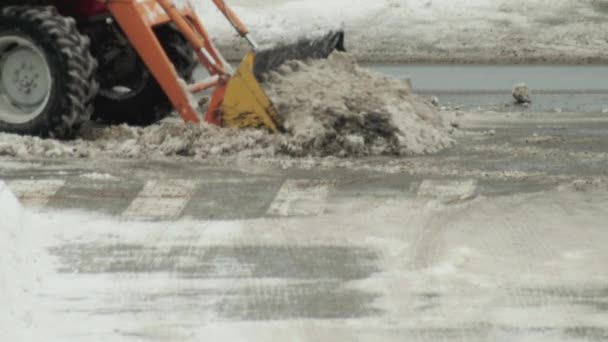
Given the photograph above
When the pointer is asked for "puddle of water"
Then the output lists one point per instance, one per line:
(498, 78)
(554, 88)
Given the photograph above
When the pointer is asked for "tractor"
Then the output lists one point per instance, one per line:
(63, 62)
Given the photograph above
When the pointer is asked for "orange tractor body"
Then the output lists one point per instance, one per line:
(237, 98)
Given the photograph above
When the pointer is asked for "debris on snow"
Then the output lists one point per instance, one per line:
(521, 93)
(435, 101)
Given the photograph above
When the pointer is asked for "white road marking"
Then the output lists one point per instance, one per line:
(161, 199)
(35, 193)
(301, 198)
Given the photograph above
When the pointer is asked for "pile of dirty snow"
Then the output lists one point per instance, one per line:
(329, 107)
(334, 107)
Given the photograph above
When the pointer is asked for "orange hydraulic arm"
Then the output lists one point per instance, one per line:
(137, 18)
(235, 22)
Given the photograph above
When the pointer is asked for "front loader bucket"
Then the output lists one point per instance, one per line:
(245, 103)
(268, 59)
(238, 99)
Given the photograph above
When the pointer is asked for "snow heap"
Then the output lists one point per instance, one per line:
(334, 107)
(330, 107)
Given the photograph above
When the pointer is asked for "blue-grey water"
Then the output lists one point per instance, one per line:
(554, 87)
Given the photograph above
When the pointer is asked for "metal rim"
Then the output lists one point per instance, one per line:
(25, 80)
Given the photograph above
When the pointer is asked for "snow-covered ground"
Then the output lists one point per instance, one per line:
(469, 31)
(528, 267)
(501, 238)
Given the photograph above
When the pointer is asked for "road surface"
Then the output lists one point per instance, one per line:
(554, 88)
(500, 239)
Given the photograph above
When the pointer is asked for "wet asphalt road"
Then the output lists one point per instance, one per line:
(488, 87)
(505, 154)
(501, 238)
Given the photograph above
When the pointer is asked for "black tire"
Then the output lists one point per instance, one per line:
(147, 104)
(72, 70)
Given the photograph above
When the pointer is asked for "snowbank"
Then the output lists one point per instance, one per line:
(335, 108)
(469, 31)
(331, 108)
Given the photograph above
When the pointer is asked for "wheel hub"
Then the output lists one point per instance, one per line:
(25, 80)
(23, 77)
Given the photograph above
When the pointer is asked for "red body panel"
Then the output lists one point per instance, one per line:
(81, 9)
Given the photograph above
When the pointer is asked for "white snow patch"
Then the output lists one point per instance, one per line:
(16, 271)
(487, 31)
(99, 176)
(521, 93)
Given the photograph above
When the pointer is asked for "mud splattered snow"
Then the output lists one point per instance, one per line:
(330, 108)
(338, 108)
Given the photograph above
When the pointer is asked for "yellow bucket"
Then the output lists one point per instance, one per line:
(245, 104)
